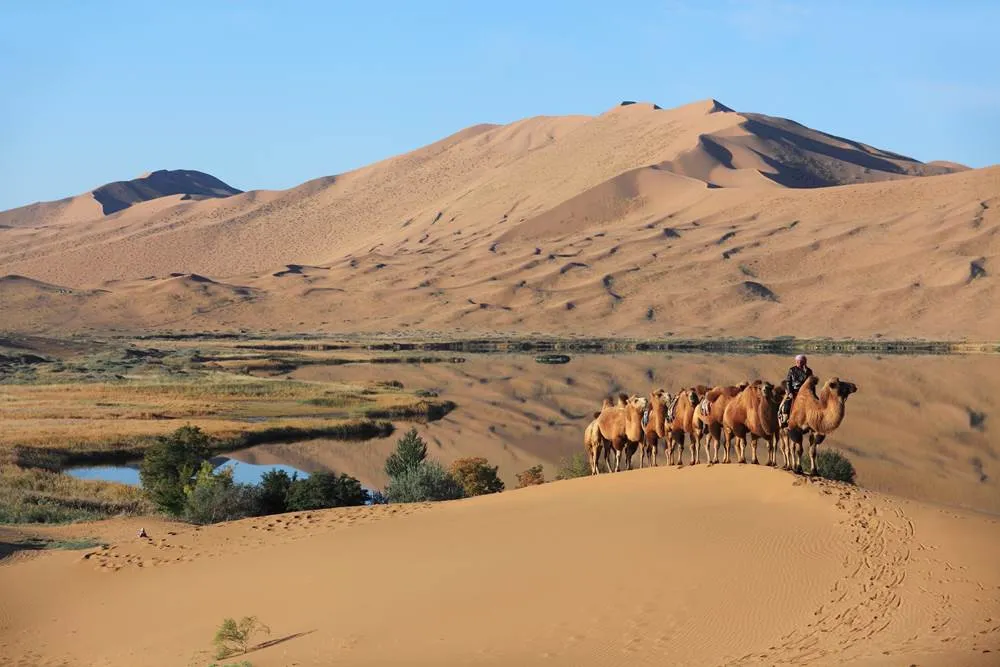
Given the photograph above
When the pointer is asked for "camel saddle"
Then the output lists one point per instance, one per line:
(672, 409)
(705, 406)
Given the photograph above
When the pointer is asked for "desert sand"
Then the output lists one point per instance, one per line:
(694, 221)
(698, 566)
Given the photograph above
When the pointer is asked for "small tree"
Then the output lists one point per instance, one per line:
(213, 497)
(325, 489)
(233, 637)
(274, 486)
(476, 476)
(530, 477)
(575, 466)
(834, 465)
(170, 464)
(411, 450)
(427, 481)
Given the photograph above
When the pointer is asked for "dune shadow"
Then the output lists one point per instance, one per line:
(280, 640)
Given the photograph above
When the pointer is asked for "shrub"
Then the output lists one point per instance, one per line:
(533, 476)
(834, 465)
(411, 450)
(274, 486)
(169, 465)
(325, 489)
(233, 638)
(476, 476)
(575, 466)
(427, 481)
(214, 497)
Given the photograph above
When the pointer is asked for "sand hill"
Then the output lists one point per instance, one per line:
(113, 197)
(729, 565)
(694, 221)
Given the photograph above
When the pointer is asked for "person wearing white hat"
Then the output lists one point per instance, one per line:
(796, 377)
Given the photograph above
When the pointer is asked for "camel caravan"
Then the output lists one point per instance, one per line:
(725, 417)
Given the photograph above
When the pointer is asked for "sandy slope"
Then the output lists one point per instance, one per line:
(696, 221)
(697, 566)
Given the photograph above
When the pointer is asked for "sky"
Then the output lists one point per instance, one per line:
(267, 95)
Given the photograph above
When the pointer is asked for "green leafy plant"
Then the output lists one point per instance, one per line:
(834, 465)
(575, 466)
(427, 481)
(325, 489)
(169, 466)
(233, 638)
(411, 450)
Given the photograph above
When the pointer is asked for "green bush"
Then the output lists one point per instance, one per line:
(233, 638)
(476, 476)
(214, 497)
(834, 465)
(323, 490)
(411, 450)
(427, 481)
(577, 465)
(170, 464)
(274, 486)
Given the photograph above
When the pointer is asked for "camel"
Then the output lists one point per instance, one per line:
(653, 429)
(596, 446)
(679, 421)
(819, 416)
(621, 426)
(708, 419)
(753, 414)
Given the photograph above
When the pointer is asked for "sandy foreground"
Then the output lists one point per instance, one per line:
(697, 566)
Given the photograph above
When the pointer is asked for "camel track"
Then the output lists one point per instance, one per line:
(867, 599)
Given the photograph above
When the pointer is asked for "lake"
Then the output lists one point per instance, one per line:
(925, 427)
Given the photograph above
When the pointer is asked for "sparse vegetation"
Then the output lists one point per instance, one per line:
(831, 464)
(476, 476)
(530, 477)
(36, 495)
(428, 481)
(234, 638)
(574, 466)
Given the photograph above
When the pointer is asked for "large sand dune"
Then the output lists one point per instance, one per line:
(696, 221)
(702, 566)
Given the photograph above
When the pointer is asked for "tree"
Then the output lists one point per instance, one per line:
(411, 450)
(427, 481)
(530, 477)
(170, 464)
(274, 486)
(577, 465)
(214, 496)
(325, 489)
(476, 476)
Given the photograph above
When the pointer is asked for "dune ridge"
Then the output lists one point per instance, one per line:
(654, 220)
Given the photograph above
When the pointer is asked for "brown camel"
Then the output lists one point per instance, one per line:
(753, 414)
(621, 426)
(653, 429)
(708, 418)
(679, 421)
(819, 416)
(596, 446)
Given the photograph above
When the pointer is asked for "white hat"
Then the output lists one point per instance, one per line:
(800, 357)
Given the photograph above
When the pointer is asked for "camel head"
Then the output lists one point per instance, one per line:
(767, 391)
(639, 403)
(840, 388)
(692, 394)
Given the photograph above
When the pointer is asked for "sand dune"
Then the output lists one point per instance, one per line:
(619, 569)
(697, 221)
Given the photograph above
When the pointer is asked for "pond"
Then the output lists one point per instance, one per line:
(243, 473)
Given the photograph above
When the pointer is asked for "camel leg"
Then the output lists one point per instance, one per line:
(708, 453)
(752, 444)
(595, 458)
(656, 446)
(772, 444)
(785, 454)
(740, 449)
(724, 438)
(812, 455)
(680, 448)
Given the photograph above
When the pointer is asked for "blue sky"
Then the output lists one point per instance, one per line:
(268, 95)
